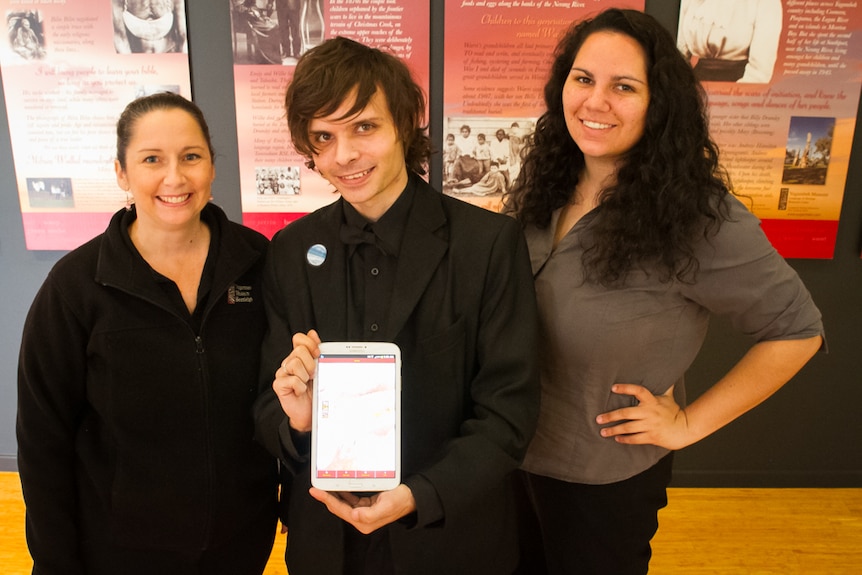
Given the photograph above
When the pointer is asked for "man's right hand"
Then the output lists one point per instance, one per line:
(293, 383)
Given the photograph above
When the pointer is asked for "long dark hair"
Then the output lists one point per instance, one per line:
(327, 75)
(668, 189)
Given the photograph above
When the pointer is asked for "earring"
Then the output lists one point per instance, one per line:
(130, 201)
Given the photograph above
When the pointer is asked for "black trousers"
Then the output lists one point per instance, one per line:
(576, 529)
(245, 554)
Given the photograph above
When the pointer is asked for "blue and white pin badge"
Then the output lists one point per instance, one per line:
(316, 255)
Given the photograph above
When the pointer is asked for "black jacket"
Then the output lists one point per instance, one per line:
(129, 418)
(464, 314)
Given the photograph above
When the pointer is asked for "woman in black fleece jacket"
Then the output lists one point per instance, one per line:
(137, 372)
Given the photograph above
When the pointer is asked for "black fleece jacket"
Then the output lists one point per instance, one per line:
(133, 416)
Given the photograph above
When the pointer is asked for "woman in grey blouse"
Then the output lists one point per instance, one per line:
(635, 241)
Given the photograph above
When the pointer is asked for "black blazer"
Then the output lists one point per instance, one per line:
(464, 315)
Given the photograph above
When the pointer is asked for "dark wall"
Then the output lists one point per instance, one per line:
(807, 435)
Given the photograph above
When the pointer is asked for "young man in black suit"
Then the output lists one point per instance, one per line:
(448, 282)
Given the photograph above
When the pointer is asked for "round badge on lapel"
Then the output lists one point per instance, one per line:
(316, 255)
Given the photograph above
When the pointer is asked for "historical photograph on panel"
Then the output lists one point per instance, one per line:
(809, 145)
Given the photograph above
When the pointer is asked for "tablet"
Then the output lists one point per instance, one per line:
(356, 422)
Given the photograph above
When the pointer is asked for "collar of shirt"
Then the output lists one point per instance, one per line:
(389, 229)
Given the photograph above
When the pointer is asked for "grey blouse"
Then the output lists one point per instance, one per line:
(647, 333)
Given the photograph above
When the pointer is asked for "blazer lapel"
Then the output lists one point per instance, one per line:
(421, 252)
(328, 282)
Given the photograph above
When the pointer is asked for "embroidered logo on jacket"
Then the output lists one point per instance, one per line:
(239, 294)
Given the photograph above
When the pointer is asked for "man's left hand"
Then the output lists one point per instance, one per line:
(368, 514)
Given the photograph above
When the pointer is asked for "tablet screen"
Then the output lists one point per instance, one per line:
(356, 400)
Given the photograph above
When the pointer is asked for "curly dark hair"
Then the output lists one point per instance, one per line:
(326, 76)
(668, 190)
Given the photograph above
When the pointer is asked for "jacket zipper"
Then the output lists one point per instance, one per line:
(200, 352)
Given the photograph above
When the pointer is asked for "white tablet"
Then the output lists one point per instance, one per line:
(356, 423)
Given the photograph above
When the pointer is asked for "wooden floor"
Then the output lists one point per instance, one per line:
(702, 531)
(760, 532)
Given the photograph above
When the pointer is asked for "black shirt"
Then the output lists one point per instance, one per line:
(372, 262)
(372, 257)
